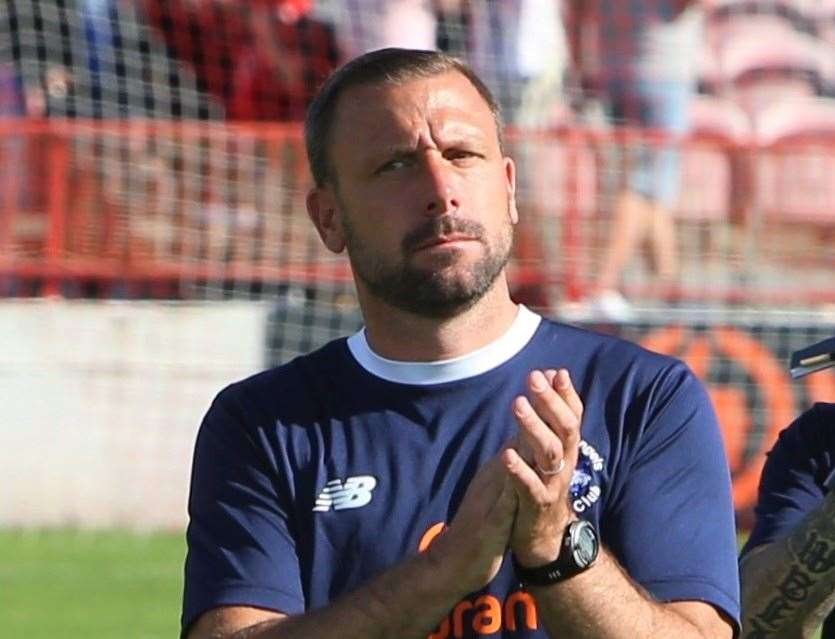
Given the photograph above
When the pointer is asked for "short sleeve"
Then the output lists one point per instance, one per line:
(241, 550)
(671, 521)
(792, 482)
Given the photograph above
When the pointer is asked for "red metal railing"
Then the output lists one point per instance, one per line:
(159, 201)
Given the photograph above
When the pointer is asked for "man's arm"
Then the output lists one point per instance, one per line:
(788, 586)
(406, 601)
(605, 603)
(602, 602)
(409, 599)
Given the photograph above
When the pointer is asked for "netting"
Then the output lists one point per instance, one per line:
(675, 164)
(158, 123)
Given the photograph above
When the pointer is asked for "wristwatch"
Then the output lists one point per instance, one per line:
(580, 546)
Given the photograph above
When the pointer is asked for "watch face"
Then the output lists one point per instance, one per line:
(585, 544)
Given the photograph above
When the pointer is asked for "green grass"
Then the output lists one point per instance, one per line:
(90, 585)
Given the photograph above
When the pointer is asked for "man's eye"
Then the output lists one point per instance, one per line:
(463, 154)
(392, 165)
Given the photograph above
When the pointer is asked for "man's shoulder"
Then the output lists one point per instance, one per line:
(613, 369)
(821, 414)
(321, 360)
(295, 383)
(811, 434)
(604, 348)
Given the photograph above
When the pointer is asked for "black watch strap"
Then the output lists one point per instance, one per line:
(568, 563)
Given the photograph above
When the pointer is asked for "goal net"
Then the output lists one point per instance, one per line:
(154, 243)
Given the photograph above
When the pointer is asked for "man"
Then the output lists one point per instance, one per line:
(429, 472)
(788, 564)
(648, 52)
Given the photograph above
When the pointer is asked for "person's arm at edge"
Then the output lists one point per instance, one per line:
(409, 599)
(775, 575)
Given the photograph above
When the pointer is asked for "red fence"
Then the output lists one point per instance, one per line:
(160, 202)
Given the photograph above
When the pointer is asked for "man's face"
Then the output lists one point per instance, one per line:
(423, 198)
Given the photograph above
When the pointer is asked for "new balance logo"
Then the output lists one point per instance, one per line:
(354, 492)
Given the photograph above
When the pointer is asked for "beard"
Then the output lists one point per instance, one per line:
(438, 290)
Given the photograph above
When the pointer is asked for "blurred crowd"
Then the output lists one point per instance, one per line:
(261, 60)
(735, 69)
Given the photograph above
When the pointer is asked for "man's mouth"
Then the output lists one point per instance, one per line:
(442, 240)
(442, 231)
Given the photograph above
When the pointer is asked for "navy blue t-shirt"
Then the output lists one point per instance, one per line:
(792, 482)
(311, 478)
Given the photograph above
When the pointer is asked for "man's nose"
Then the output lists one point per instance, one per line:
(441, 196)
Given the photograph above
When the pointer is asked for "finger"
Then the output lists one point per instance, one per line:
(541, 515)
(520, 443)
(560, 381)
(504, 507)
(526, 480)
(546, 448)
(565, 387)
(550, 375)
(554, 410)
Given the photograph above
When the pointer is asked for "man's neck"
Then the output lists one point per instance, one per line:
(399, 335)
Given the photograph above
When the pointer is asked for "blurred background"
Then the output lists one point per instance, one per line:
(676, 163)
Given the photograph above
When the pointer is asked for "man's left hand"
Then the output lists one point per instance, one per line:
(542, 464)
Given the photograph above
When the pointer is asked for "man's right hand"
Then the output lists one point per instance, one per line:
(408, 600)
(475, 543)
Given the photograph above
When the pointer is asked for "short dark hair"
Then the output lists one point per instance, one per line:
(384, 66)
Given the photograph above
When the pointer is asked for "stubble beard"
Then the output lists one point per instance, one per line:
(438, 290)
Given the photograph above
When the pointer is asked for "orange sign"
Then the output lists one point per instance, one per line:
(750, 388)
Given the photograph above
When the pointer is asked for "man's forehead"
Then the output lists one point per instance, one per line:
(382, 109)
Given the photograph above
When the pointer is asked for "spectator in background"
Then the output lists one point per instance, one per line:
(519, 48)
(99, 19)
(12, 96)
(12, 163)
(366, 25)
(261, 61)
(647, 54)
(23, 222)
(288, 55)
(266, 56)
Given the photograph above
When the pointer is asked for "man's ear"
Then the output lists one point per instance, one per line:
(323, 209)
(510, 175)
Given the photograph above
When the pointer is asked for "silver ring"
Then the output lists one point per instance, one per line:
(548, 473)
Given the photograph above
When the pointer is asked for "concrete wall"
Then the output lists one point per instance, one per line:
(101, 402)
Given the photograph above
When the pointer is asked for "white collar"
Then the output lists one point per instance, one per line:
(448, 370)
